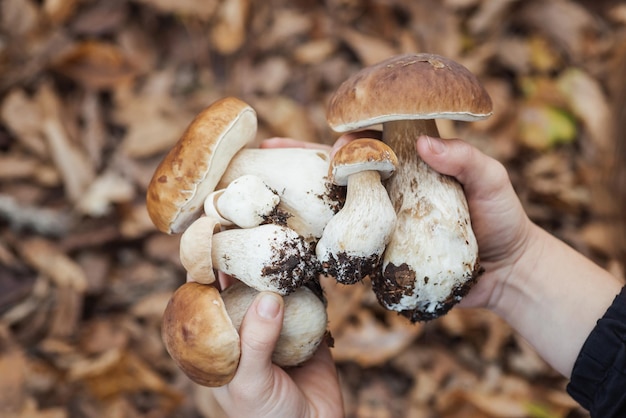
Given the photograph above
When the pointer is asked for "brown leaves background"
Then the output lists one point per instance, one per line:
(94, 92)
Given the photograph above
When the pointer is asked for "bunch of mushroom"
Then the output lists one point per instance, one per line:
(274, 219)
(252, 214)
(431, 261)
(255, 215)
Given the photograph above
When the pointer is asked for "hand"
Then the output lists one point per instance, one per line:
(262, 389)
(532, 280)
(501, 226)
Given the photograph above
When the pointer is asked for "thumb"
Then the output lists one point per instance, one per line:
(481, 176)
(259, 332)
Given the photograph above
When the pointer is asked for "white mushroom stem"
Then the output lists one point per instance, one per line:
(299, 176)
(432, 257)
(355, 238)
(267, 257)
(246, 202)
(304, 325)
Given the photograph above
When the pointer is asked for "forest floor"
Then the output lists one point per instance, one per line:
(93, 93)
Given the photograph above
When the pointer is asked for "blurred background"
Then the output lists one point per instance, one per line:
(93, 93)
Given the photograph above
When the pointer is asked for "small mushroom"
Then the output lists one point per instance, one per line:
(246, 202)
(432, 258)
(200, 330)
(267, 257)
(353, 241)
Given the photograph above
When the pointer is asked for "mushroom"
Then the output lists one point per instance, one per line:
(304, 325)
(193, 167)
(267, 257)
(299, 177)
(246, 202)
(211, 154)
(353, 241)
(200, 330)
(200, 336)
(431, 260)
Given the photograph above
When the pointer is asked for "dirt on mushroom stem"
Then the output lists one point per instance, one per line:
(352, 269)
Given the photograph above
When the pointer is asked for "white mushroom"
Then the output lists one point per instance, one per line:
(267, 257)
(304, 325)
(246, 202)
(211, 152)
(353, 241)
(299, 176)
(432, 258)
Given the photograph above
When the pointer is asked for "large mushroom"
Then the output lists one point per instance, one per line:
(353, 241)
(431, 260)
(212, 153)
(194, 166)
(200, 330)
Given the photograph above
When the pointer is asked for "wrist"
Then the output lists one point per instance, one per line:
(514, 288)
(553, 297)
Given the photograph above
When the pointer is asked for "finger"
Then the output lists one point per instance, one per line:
(259, 332)
(278, 142)
(480, 175)
(224, 280)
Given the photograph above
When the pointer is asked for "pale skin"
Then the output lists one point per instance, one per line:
(549, 293)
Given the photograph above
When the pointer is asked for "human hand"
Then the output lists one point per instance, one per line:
(501, 226)
(263, 389)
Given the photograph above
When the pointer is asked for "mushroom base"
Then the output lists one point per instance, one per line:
(398, 283)
(350, 269)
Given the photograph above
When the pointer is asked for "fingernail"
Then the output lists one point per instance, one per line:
(269, 306)
(436, 145)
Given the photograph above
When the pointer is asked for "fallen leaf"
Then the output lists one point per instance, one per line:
(96, 65)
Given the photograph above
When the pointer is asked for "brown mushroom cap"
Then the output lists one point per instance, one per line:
(193, 167)
(363, 154)
(410, 86)
(199, 335)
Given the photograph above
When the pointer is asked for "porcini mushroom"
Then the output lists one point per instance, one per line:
(267, 257)
(353, 241)
(194, 166)
(200, 336)
(299, 176)
(200, 330)
(210, 154)
(304, 324)
(246, 202)
(432, 257)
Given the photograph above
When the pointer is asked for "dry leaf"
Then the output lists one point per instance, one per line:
(70, 161)
(586, 99)
(153, 121)
(369, 342)
(228, 33)
(44, 256)
(202, 10)
(369, 49)
(106, 190)
(96, 65)
(285, 117)
(12, 375)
